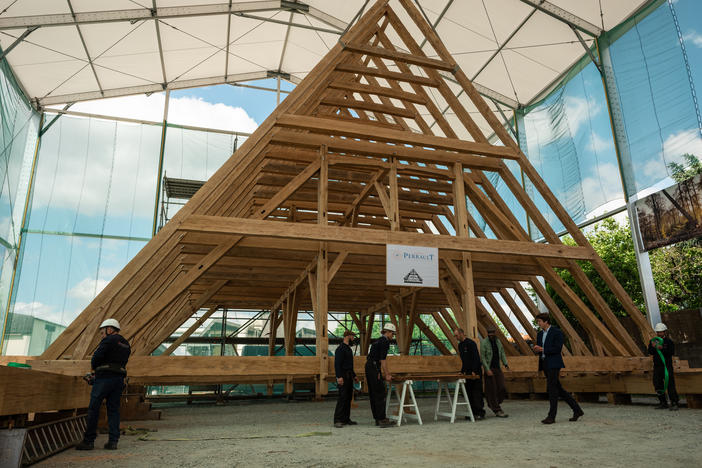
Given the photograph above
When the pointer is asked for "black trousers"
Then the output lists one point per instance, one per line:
(376, 391)
(659, 385)
(342, 413)
(108, 388)
(474, 388)
(556, 391)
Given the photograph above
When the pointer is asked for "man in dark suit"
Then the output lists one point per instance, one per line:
(549, 342)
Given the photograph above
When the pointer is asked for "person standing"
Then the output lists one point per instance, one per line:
(662, 349)
(492, 353)
(377, 373)
(549, 343)
(109, 370)
(470, 366)
(345, 377)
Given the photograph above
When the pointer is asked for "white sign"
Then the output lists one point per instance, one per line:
(412, 266)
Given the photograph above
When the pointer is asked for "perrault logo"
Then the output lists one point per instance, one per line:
(413, 277)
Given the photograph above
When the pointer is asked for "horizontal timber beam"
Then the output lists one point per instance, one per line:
(284, 230)
(371, 132)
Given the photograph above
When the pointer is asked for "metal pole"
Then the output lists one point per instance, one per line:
(23, 227)
(160, 160)
(278, 92)
(626, 173)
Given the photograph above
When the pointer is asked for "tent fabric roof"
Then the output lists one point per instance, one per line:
(84, 50)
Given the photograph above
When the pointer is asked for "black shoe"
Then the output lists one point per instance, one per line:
(339, 424)
(110, 446)
(377, 422)
(85, 446)
(501, 414)
(674, 407)
(548, 420)
(481, 417)
(350, 423)
(386, 423)
(662, 406)
(576, 415)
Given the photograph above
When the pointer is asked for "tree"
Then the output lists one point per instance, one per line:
(614, 244)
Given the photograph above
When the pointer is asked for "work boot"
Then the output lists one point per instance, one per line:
(662, 406)
(350, 423)
(338, 424)
(576, 415)
(674, 407)
(386, 423)
(501, 414)
(548, 420)
(110, 446)
(85, 446)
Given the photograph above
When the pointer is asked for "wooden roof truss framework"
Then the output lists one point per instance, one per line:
(299, 216)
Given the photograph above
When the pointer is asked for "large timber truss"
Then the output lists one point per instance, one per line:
(299, 217)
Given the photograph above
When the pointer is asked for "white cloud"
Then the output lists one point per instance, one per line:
(599, 144)
(87, 289)
(129, 175)
(686, 141)
(606, 187)
(694, 38)
(39, 310)
(578, 110)
(182, 110)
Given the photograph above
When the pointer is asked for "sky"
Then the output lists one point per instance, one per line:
(61, 274)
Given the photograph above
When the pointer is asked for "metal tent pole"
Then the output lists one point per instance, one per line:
(159, 175)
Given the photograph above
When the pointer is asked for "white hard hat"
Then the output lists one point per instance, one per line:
(390, 327)
(110, 323)
(660, 327)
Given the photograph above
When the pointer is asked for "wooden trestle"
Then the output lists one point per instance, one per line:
(298, 219)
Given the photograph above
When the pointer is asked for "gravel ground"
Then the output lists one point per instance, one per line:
(280, 433)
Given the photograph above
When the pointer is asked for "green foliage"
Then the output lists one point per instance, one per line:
(677, 271)
(614, 244)
(681, 173)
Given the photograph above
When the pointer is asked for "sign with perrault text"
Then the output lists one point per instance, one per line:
(412, 266)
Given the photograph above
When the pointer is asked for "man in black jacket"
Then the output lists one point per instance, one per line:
(108, 364)
(662, 349)
(345, 377)
(471, 366)
(549, 343)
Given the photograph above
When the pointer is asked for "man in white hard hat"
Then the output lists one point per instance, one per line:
(109, 370)
(376, 372)
(662, 349)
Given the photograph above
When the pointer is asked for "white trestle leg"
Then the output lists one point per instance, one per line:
(401, 395)
(453, 403)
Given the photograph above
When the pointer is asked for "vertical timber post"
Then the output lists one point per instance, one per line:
(321, 319)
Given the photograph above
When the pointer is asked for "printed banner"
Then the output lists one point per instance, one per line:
(671, 215)
(412, 266)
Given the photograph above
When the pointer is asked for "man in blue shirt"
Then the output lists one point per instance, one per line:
(549, 343)
(108, 363)
(377, 373)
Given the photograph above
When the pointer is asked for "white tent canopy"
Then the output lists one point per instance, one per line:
(65, 51)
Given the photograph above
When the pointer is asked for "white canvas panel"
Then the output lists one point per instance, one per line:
(61, 39)
(39, 80)
(505, 16)
(412, 266)
(80, 81)
(82, 6)
(207, 29)
(255, 57)
(110, 39)
(122, 72)
(34, 7)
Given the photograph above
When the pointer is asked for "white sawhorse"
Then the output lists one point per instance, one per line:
(453, 402)
(406, 388)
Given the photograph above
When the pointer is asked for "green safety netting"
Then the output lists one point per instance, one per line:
(655, 91)
(18, 136)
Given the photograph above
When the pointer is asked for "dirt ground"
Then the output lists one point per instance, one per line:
(280, 433)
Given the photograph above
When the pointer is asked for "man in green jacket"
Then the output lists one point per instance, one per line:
(491, 354)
